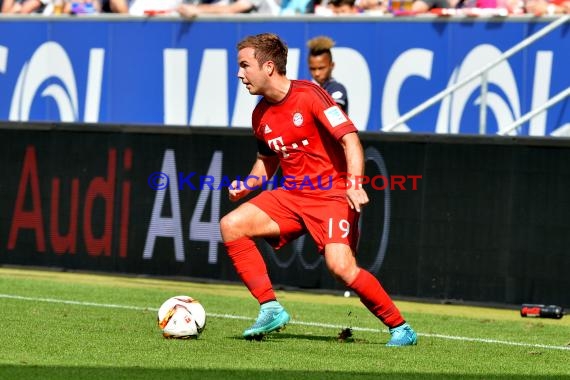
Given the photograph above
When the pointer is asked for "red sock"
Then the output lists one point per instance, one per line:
(251, 268)
(375, 298)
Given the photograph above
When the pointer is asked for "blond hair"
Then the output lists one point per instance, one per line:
(320, 45)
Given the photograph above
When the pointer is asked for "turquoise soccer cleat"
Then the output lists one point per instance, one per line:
(272, 317)
(403, 335)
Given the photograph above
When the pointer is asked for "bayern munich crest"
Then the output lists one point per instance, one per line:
(297, 119)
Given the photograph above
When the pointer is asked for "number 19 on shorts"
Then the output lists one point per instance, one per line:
(343, 227)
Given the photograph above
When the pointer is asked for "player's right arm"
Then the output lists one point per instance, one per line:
(263, 168)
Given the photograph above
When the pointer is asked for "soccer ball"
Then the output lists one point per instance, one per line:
(181, 317)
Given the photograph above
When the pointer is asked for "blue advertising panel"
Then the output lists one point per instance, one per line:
(183, 73)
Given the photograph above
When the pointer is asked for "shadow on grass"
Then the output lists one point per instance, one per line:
(80, 373)
(322, 338)
(285, 336)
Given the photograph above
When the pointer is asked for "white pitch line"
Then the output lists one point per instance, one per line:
(301, 323)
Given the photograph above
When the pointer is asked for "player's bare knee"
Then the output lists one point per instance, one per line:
(230, 227)
(344, 272)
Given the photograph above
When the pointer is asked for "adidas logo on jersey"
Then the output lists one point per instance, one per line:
(267, 129)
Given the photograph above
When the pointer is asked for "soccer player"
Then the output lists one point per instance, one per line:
(321, 66)
(300, 127)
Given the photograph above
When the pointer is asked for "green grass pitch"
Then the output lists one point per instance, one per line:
(71, 326)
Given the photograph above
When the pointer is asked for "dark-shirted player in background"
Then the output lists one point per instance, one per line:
(321, 66)
(298, 126)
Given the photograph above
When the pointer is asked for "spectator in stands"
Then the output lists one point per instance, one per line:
(25, 6)
(424, 6)
(51, 7)
(469, 7)
(82, 7)
(349, 7)
(343, 7)
(269, 7)
(321, 66)
(547, 7)
(116, 6)
(372, 6)
(153, 7)
(294, 7)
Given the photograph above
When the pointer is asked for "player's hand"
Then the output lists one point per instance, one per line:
(356, 198)
(188, 10)
(238, 190)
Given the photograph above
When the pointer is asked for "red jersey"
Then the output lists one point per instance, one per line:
(304, 130)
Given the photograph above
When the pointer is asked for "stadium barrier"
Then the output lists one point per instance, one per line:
(162, 71)
(486, 220)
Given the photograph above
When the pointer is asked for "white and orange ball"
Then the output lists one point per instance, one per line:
(181, 317)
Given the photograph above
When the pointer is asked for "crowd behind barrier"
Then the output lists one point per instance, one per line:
(190, 81)
(193, 8)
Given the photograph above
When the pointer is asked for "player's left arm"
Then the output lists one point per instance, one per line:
(354, 154)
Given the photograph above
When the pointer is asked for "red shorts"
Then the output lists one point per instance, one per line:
(326, 216)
